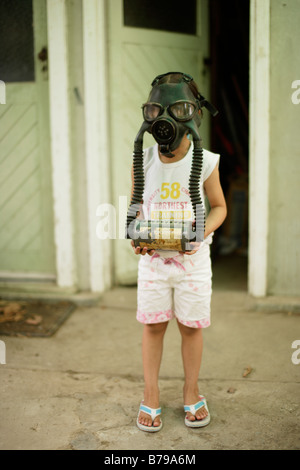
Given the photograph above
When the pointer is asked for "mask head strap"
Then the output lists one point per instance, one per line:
(185, 77)
(206, 104)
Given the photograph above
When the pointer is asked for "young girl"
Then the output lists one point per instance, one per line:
(186, 275)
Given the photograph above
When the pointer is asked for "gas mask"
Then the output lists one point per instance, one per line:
(171, 111)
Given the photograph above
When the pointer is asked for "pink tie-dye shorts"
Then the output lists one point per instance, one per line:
(178, 287)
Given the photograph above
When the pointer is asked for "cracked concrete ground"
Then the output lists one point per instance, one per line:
(81, 388)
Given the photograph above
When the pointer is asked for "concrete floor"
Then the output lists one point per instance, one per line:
(81, 388)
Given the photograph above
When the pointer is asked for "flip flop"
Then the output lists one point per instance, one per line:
(198, 423)
(153, 412)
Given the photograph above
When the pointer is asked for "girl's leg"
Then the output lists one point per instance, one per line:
(191, 348)
(153, 336)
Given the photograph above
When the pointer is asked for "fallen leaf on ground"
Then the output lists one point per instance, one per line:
(247, 371)
(34, 320)
(10, 312)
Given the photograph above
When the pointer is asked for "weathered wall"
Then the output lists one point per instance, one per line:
(284, 171)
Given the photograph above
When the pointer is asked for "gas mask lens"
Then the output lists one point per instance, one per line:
(182, 110)
(151, 111)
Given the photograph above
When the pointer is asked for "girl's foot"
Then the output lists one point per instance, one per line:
(151, 399)
(190, 398)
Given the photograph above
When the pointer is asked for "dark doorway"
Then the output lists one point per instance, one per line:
(229, 42)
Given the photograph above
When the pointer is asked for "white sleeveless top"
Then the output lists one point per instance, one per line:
(166, 191)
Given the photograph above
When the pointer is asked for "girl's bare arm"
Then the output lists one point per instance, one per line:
(217, 202)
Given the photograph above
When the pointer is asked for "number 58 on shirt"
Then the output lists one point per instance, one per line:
(168, 190)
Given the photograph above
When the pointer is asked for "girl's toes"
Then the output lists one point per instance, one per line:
(190, 417)
(143, 421)
(202, 413)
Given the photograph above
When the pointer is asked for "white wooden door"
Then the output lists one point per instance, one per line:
(136, 56)
(26, 219)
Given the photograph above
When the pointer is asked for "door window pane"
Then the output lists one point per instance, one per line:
(16, 41)
(166, 15)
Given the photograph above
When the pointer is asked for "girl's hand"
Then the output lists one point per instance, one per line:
(139, 251)
(197, 246)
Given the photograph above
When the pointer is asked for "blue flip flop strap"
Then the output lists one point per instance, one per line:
(153, 412)
(194, 408)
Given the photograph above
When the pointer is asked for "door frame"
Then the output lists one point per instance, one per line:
(60, 142)
(259, 141)
(96, 141)
(97, 149)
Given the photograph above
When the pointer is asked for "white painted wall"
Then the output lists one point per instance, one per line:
(284, 194)
(60, 143)
(274, 253)
(77, 142)
(97, 155)
(259, 146)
